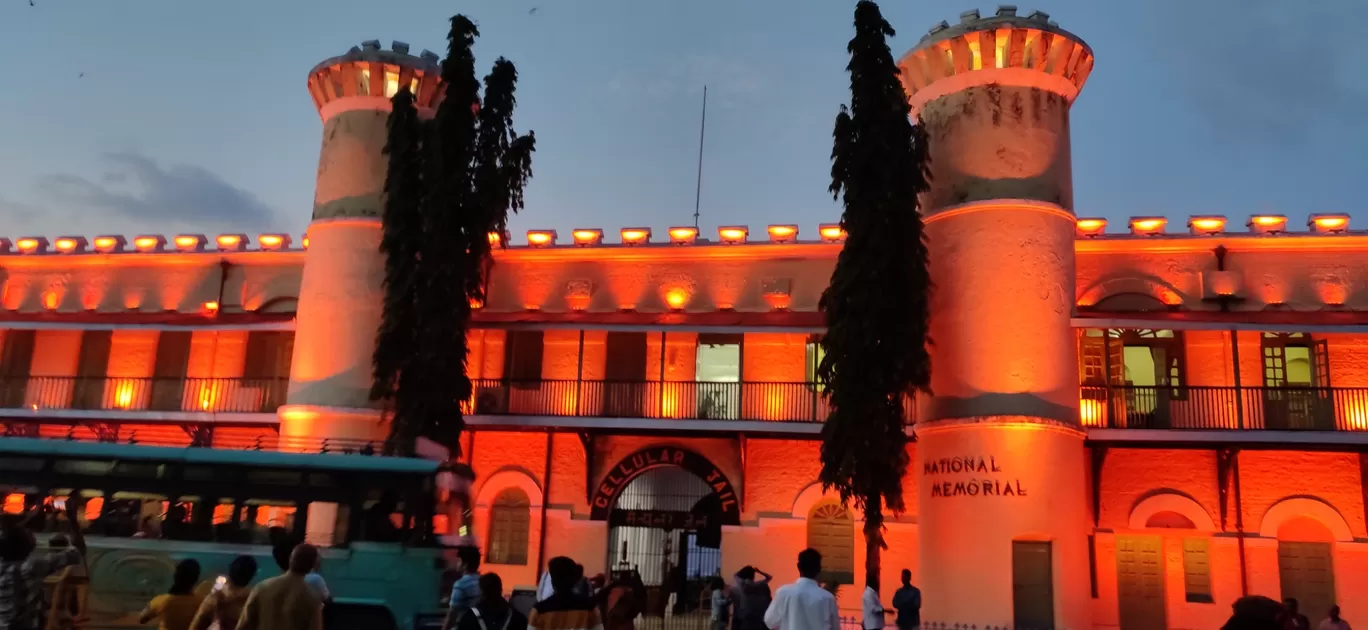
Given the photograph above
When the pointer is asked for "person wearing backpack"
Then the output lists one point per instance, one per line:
(492, 612)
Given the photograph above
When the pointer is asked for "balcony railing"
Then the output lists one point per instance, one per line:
(1200, 407)
(240, 395)
(684, 400)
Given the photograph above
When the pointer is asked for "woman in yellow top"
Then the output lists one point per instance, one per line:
(224, 605)
(177, 608)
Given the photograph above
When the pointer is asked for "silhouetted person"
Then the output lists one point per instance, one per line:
(286, 602)
(1334, 622)
(224, 606)
(907, 601)
(1255, 613)
(1292, 617)
(176, 609)
(565, 609)
(492, 612)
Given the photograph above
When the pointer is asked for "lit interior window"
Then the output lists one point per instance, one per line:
(977, 56)
(391, 83)
(364, 78)
(413, 87)
(1003, 36)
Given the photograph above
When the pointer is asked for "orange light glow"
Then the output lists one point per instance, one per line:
(541, 238)
(831, 232)
(27, 245)
(1207, 225)
(50, 300)
(273, 241)
(1356, 416)
(683, 235)
(635, 236)
(1148, 226)
(495, 238)
(1091, 412)
(123, 395)
(189, 242)
(108, 243)
(782, 233)
(229, 241)
(147, 243)
(1091, 227)
(211, 306)
(476, 304)
(65, 245)
(1267, 223)
(732, 235)
(676, 298)
(586, 237)
(1328, 223)
(304, 242)
(14, 503)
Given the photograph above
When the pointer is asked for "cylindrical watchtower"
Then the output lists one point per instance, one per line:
(1001, 499)
(341, 294)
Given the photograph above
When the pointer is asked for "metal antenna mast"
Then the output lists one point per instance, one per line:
(702, 128)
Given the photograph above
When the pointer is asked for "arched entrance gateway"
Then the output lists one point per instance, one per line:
(665, 508)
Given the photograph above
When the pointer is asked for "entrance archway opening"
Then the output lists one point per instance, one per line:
(666, 525)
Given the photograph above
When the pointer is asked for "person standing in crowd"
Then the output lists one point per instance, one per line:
(465, 591)
(752, 598)
(564, 609)
(22, 571)
(1334, 622)
(1292, 617)
(907, 601)
(224, 606)
(286, 602)
(492, 612)
(804, 604)
(316, 582)
(872, 609)
(622, 606)
(721, 604)
(1255, 612)
(177, 608)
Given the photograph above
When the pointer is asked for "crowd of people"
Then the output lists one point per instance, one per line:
(565, 600)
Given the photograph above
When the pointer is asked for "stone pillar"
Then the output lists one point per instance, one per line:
(341, 293)
(1001, 500)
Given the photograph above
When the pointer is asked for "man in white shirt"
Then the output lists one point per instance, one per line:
(873, 609)
(804, 605)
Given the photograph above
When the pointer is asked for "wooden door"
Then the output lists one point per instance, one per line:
(1307, 573)
(1140, 582)
(92, 364)
(169, 370)
(15, 362)
(624, 392)
(1032, 585)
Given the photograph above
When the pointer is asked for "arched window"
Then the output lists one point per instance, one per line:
(509, 519)
(831, 531)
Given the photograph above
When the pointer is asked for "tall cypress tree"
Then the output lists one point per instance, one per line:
(401, 233)
(472, 171)
(877, 303)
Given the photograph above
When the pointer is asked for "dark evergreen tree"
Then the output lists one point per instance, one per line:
(401, 235)
(473, 170)
(875, 347)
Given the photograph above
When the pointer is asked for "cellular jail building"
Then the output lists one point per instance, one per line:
(1133, 425)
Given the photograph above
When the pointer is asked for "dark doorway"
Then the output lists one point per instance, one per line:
(624, 392)
(1032, 585)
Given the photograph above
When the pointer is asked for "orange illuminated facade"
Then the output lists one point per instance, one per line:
(1133, 426)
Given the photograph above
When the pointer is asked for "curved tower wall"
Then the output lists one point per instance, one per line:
(1000, 451)
(341, 294)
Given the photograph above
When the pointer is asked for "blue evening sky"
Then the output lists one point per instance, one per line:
(163, 115)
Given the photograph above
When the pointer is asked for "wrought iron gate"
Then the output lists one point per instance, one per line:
(666, 526)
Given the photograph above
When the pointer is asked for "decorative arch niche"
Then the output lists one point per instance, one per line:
(1315, 509)
(1170, 510)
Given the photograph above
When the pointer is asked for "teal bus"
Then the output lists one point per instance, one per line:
(144, 508)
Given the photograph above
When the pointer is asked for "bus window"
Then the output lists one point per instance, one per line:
(383, 518)
(259, 516)
(327, 523)
(14, 503)
(133, 514)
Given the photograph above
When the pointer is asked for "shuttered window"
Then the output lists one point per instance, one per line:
(1197, 570)
(509, 521)
(523, 358)
(831, 532)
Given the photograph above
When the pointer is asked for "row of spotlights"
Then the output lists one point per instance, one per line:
(728, 235)
(1212, 225)
(147, 243)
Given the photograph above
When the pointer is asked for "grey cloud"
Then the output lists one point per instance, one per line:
(139, 193)
(1264, 70)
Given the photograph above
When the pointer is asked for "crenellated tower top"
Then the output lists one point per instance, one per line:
(1006, 48)
(369, 72)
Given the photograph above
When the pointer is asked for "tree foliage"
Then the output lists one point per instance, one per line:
(401, 230)
(875, 347)
(472, 169)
